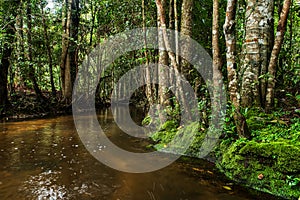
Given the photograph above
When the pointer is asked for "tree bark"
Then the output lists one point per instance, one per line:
(186, 28)
(259, 17)
(275, 53)
(230, 38)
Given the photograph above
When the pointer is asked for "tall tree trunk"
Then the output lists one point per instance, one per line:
(31, 73)
(163, 57)
(259, 17)
(230, 38)
(275, 53)
(186, 28)
(149, 93)
(215, 46)
(65, 66)
(5, 63)
(49, 52)
(75, 20)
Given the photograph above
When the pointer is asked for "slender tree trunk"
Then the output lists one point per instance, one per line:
(176, 22)
(65, 66)
(31, 69)
(230, 38)
(275, 53)
(49, 52)
(177, 56)
(75, 20)
(215, 45)
(149, 93)
(259, 17)
(163, 55)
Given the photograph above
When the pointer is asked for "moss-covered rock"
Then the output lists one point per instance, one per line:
(271, 167)
(179, 137)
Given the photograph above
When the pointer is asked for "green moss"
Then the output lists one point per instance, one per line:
(243, 161)
(178, 138)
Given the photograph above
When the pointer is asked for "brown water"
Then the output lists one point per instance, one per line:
(44, 159)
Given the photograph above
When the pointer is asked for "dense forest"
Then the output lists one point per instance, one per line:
(254, 52)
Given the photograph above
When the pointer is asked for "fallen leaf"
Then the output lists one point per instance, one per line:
(227, 188)
(198, 170)
(209, 172)
(260, 176)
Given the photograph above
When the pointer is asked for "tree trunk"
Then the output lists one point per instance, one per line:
(275, 53)
(31, 73)
(49, 52)
(65, 66)
(149, 93)
(259, 17)
(230, 38)
(186, 29)
(215, 46)
(75, 20)
(163, 55)
(4, 65)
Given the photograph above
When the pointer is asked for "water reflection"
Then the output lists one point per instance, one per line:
(44, 159)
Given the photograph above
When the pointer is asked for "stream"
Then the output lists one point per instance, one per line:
(45, 159)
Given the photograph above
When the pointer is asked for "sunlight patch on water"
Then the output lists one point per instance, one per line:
(44, 186)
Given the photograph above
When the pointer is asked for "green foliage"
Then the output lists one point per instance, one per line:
(289, 60)
(147, 120)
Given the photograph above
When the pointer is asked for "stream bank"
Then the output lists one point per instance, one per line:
(267, 162)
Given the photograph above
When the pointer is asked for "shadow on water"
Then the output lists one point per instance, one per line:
(45, 159)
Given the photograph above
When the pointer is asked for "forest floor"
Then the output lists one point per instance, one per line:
(24, 104)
